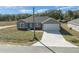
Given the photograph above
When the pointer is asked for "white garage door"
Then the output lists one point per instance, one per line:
(51, 27)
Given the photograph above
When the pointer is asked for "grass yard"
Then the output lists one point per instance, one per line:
(14, 36)
(6, 23)
(70, 35)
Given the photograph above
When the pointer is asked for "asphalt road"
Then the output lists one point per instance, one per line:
(36, 49)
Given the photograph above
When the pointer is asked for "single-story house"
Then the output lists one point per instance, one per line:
(41, 23)
(74, 24)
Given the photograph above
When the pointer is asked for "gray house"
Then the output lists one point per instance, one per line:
(41, 23)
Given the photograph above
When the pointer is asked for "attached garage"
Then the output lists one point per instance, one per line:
(51, 24)
(51, 27)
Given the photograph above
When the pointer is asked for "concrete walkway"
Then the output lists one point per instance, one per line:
(54, 38)
(3, 27)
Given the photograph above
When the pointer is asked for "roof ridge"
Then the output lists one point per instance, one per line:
(46, 20)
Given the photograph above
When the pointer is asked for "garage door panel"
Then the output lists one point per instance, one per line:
(51, 27)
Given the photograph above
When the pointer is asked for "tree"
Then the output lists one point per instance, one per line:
(76, 14)
(69, 15)
(57, 14)
(13, 17)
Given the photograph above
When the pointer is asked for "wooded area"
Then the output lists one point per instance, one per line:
(13, 17)
(61, 15)
(57, 14)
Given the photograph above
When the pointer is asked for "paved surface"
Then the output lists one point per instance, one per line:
(36, 49)
(54, 38)
(3, 27)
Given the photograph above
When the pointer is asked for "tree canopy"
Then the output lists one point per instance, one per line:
(13, 17)
(57, 14)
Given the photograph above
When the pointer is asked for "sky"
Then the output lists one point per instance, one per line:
(38, 9)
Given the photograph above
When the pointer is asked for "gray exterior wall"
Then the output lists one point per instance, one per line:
(40, 20)
(28, 26)
(38, 26)
(22, 25)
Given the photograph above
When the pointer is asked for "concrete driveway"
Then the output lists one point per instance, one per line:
(54, 38)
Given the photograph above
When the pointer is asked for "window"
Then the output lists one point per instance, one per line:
(31, 25)
(22, 25)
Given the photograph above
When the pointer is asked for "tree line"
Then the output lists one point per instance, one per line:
(61, 15)
(57, 14)
(13, 17)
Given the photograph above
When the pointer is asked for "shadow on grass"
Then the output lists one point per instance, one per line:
(65, 32)
(62, 31)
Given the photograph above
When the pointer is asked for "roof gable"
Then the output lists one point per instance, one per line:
(40, 19)
(51, 21)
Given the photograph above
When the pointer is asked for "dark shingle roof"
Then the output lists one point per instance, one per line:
(51, 21)
(40, 19)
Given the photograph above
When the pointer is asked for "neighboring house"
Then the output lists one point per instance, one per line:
(74, 24)
(41, 23)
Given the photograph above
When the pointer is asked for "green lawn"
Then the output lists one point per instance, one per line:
(14, 36)
(70, 35)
